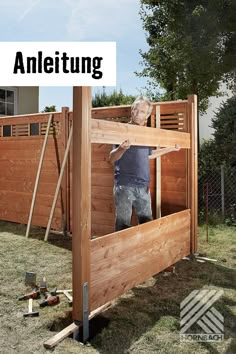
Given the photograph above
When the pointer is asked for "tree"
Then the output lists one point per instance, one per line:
(192, 46)
(208, 159)
(221, 150)
(224, 124)
(114, 99)
(49, 109)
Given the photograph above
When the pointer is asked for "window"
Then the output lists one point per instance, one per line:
(7, 101)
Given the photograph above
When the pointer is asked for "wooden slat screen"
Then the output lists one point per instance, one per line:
(19, 157)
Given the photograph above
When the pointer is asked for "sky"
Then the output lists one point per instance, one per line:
(79, 20)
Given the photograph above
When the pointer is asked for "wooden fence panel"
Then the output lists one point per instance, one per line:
(124, 259)
(19, 158)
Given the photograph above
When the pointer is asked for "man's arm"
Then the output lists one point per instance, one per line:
(160, 152)
(118, 152)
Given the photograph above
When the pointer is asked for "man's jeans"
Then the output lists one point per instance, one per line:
(127, 197)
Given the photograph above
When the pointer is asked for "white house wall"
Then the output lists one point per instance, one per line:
(205, 131)
(27, 99)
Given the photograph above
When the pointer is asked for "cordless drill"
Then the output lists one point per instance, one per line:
(50, 300)
(35, 294)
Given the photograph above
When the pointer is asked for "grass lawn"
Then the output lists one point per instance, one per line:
(144, 320)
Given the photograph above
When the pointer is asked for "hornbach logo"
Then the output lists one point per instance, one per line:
(197, 308)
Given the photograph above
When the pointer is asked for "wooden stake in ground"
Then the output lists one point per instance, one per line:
(52, 342)
(38, 175)
(58, 184)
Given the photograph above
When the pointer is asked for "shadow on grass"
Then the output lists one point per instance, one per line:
(38, 233)
(232, 347)
(148, 311)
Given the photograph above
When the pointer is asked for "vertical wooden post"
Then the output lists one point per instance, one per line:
(64, 139)
(193, 170)
(158, 170)
(81, 202)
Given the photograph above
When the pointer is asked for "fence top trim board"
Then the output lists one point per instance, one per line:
(93, 110)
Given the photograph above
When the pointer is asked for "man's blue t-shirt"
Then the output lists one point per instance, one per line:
(132, 169)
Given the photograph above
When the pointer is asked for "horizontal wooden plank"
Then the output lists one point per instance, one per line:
(29, 144)
(26, 138)
(175, 157)
(172, 122)
(172, 117)
(173, 107)
(20, 173)
(172, 127)
(175, 197)
(100, 230)
(111, 112)
(124, 259)
(45, 177)
(49, 165)
(18, 207)
(37, 220)
(116, 133)
(102, 191)
(103, 218)
(102, 205)
(103, 215)
(39, 210)
(100, 148)
(27, 154)
(100, 156)
(119, 242)
(99, 179)
(104, 198)
(102, 170)
(170, 208)
(23, 199)
(29, 118)
(27, 186)
(103, 165)
(97, 194)
(177, 170)
(169, 183)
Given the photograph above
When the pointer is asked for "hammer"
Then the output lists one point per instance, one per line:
(31, 313)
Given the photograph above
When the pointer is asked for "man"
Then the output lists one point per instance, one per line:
(132, 172)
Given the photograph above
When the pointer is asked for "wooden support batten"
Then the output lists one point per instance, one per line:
(81, 202)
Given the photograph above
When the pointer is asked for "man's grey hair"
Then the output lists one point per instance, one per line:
(142, 99)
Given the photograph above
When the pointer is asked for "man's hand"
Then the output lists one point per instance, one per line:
(176, 148)
(125, 145)
(160, 152)
(117, 153)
